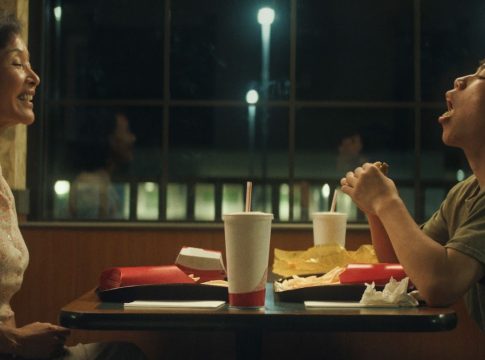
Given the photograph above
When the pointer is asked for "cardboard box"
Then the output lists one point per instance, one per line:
(202, 263)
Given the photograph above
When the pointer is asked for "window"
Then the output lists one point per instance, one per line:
(143, 114)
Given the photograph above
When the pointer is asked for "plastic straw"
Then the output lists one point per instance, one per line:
(334, 200)
(249, 190)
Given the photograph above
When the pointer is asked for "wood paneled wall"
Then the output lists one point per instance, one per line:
(66, 262)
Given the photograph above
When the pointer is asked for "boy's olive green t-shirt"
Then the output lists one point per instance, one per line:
(459, 224)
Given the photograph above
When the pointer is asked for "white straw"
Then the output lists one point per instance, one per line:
(334, 200)
(249, 190)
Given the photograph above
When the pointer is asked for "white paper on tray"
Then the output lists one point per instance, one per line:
(341, 304)
(394, 294)
(142, 305)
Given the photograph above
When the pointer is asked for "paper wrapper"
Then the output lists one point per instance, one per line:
(320, 259)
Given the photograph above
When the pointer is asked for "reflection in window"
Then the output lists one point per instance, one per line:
(333, 113)
(262, 198)
(232, 198)
(407, 196)
(205, 204)
(297, 203)
(93, 198)
(345, 204)
(176, 201)
(147, 201)
(434, 197)
(61, 199)
(284, 204)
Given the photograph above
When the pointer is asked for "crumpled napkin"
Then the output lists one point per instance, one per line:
(394, 293)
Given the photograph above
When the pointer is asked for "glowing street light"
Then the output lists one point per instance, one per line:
(266, 16)
(252, 97)
(58, 13)
(62, 187)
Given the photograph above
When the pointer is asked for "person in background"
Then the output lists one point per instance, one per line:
(18, 83)
(350, 152)
(93, 194)
(445, 257)
(350, 156)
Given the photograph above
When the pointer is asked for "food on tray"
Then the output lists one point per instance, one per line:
(216, 283)
(319, 259)
(297, 282)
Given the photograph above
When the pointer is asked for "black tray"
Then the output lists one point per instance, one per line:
(163, 292)
(339, 292)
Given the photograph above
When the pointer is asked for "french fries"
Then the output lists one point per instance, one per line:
(298, 282)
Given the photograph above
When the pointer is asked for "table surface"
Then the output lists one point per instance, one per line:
(87, 312)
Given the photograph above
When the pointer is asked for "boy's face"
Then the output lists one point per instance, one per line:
(464, 122)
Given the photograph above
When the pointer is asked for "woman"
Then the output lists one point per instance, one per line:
(18, 83)
(108, 152)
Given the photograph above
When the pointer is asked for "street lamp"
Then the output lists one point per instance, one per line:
(252, 98)
(266, 17)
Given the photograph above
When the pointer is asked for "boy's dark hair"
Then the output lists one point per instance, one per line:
(9, 26)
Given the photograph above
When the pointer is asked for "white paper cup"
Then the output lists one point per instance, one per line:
(247, 238)
(329, 228)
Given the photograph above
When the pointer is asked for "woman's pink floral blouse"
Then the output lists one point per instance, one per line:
(14, 256)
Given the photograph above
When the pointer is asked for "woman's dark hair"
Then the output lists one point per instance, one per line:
(9, 26)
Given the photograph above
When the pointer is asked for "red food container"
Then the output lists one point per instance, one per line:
(379, 273)
(142, 275)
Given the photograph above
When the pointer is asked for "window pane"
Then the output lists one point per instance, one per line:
(330, 142)
(214, 143)
(345, 51)
(216, 49)
(106, 49)
(62, 189)
(350, 57)
(147, 201)
(439, 163)
(441, 166)
(433, 199)
(452, 47)
(177, 201)
(205, 206)
(232, 198)
(99, 151)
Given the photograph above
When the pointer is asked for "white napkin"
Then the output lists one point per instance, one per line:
(140, 305)
(394, 293)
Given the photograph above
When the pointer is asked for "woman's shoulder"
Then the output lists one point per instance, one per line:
(92, 177)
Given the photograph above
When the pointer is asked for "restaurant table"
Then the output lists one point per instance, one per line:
(87, 312)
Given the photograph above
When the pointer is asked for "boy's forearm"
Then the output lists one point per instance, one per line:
(380, 240)
(425, 260)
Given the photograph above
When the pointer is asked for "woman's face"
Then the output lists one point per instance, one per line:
(17, 84)
(122, 140)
